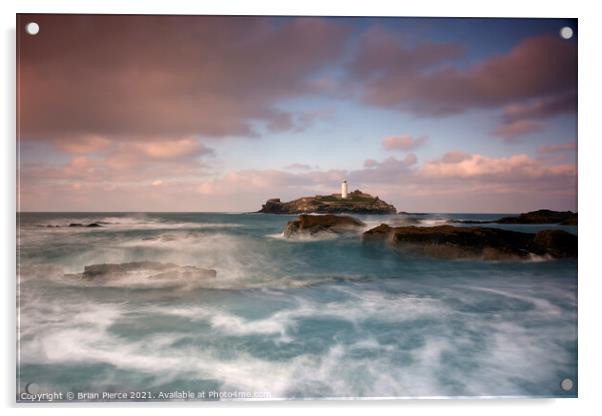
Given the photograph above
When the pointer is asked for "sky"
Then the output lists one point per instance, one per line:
(220, 113)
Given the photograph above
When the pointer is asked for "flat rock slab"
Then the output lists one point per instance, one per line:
(154, 270)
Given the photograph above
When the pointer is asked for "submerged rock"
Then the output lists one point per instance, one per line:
(154, 270)
(313, 224)
(356, 202)
(477, 242)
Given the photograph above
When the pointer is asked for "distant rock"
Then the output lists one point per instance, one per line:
(356, 202)
(542, 216)
(155, 270)
(475, 242)
(77, 224)
(313, 224)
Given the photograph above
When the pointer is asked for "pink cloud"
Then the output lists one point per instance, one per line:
(499, 169)
(557, 148)
(170, 148)
(524, 118)
(454, 157)
(83, 144)
(512, 130)
(403, 142)
(541, 108)
(156, 76)
(421, 80)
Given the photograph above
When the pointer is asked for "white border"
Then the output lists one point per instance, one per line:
(590, 293)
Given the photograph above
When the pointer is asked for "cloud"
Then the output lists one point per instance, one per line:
(422, 80)
(524, 118)
(403, 142)
(82, 144)
(305, 119)
(541, 108)
(169, 149)
(298, 166)
(123, 163)
(511, 168)
(557, 148)
(510, 131)
(392, 163)
(454, 157)
(157, 76)
(390, 169)
(386, 55)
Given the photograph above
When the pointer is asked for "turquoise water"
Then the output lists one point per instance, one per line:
(323, 317)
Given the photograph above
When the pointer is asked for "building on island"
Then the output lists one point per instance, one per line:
(344, 190)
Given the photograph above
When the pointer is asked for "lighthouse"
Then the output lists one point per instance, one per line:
(344, 189)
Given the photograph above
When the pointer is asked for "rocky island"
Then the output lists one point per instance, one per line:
(356, 202)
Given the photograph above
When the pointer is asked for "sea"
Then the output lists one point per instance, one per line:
(325, 317)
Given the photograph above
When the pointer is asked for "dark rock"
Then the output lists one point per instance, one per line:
(542, 216)
(154, 269)
(557, 243)
(313, 224)
(383, 231)
(572, 220)
(357, 202)
(475, 242)
(78, 224)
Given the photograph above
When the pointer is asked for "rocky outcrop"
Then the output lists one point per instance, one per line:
(542, 216)
(154, 270)
(314, 224)
(357, 202)
(475, 242)
(556, 243)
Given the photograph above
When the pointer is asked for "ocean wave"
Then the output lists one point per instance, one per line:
(496, 356)
(285, 318)
(129, 223)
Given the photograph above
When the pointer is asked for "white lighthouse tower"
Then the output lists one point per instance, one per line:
(344, 189)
